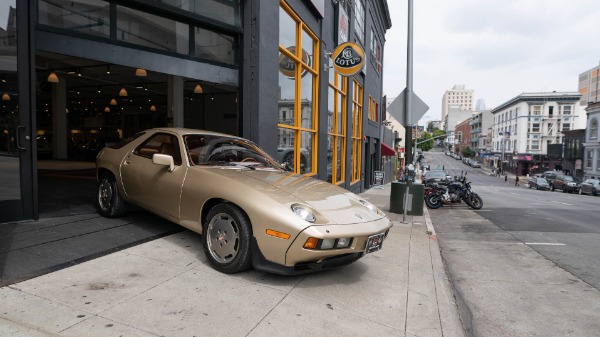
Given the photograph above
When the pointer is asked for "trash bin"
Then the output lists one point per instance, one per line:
(416, 194)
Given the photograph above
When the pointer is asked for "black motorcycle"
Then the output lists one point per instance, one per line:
(454, 193)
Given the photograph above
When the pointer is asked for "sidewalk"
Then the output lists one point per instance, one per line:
(165, 287)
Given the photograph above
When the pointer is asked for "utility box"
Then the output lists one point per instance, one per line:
(415, 195)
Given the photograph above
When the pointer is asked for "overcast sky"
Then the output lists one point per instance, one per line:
(498, 48)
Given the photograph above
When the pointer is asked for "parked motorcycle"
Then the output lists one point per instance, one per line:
(454, 193)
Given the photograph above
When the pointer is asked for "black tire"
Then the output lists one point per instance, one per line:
(433, 201)
(227, 234)
(594, 193)
(476, 202)
(109, 202)
(564, 190)
(552, 188)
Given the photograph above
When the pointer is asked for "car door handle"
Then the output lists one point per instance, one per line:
(127, 160)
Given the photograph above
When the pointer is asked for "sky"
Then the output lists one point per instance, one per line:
(498, 48)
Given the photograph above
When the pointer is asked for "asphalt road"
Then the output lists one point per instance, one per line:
(563, 227)
(527, 263)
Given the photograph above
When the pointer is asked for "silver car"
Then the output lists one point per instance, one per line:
(590, 186)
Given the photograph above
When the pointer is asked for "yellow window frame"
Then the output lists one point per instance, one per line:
(340, 88)
(301, 66)
(357, 111)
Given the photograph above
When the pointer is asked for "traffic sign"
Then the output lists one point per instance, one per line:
(397, 109)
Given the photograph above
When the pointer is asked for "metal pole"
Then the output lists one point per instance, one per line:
(407, 99)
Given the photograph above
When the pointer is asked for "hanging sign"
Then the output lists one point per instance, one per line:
(348, 59)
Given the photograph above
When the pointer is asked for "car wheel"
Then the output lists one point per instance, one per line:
(226, 236)
(594, 192)
(109, 201)
(564, 190)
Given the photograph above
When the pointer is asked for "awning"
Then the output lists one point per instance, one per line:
(387, 150)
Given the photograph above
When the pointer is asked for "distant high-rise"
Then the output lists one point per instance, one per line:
(457, 97)
(589, 86)
(480, 106)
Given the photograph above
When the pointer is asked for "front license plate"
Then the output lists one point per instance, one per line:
(374, 243)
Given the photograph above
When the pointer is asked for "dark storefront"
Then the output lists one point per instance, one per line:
(78, 75)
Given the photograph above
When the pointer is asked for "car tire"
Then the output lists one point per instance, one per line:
(564, 190)
(594, 192)
(552, 188)
(109, 201)
(227, 234)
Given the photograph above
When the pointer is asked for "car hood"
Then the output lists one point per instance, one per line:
(333, 202)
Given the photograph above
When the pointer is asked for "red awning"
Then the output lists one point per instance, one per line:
(387, 150)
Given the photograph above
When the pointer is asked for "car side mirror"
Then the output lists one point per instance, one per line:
(163, 159)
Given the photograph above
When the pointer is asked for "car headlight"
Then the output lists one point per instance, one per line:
(370, 206)
(304, 213)
(324, 244)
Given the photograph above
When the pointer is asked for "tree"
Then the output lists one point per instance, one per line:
(467, 152)
(427, 142)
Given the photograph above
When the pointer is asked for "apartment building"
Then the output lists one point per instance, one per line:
(527, 130)
(458, 98)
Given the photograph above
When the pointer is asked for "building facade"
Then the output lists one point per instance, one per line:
(591, 160)
(459, 98)
(462, 136)
(77, 73)
(589, 86)
(572, 163)
(527, 131)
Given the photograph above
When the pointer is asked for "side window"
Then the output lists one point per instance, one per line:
(160, 143)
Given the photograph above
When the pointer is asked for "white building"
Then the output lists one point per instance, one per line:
(591, 154)
(527, 130)
(457, 97)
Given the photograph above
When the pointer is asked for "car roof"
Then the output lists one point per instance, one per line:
(187, 131)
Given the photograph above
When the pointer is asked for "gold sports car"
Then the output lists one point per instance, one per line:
(250, 212)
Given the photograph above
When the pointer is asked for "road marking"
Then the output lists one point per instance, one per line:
(564, 203)
(544, 244)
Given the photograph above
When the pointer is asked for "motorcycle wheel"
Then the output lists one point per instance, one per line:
(433, 201)
(476, 202)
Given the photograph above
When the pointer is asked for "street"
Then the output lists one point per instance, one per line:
(526, 263)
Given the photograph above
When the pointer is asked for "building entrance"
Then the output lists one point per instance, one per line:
(84, 105)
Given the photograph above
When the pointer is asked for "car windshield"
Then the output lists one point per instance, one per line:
(568, 178)
(226, 151)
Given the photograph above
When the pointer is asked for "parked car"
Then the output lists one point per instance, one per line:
(434, 176)
(475, 164)
(564, 183)
(539, 183)
(550, 175)
(250, 212)
(590, 186)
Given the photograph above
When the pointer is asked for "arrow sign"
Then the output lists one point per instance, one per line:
(397, 107)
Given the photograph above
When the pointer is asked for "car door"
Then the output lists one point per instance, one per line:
(152, 185)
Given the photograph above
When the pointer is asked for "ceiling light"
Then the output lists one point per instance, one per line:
(113, 102)
(152, 108)
(107, 70)
(52, 78)
(5, 97)
(107, 109)
(123, 92)
(141, 72)
(198, 89)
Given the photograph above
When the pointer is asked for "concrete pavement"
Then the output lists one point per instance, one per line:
(165, 287)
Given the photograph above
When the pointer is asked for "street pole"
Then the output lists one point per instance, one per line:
(408, 102)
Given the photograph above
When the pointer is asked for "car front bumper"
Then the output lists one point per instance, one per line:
(299, 260)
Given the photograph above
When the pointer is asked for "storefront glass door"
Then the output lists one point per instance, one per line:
(15, 138)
